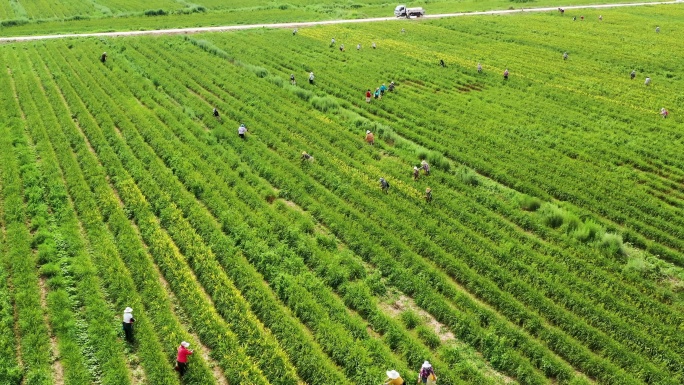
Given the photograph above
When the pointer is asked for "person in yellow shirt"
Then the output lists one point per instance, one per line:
(393, 378)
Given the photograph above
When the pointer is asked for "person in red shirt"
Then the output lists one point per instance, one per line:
(368, 96)
(370, 138)
(182, 360)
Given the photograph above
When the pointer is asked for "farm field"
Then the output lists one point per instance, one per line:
(72, 16)
(552, 251)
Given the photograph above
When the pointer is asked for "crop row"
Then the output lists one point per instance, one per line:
(255, 163)
(627, 339)
(422, 128)
(220, 191)
(284, 60)
(210, 327)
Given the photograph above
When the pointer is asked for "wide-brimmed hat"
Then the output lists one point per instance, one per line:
(392, 374)
(426, 365)
(128, 310)
(368, 132)
(185, 344)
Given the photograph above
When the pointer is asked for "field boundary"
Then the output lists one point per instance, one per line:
(176, 31)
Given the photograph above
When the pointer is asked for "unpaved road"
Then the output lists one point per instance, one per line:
(314, 23)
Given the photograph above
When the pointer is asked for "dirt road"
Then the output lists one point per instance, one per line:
(314, 23)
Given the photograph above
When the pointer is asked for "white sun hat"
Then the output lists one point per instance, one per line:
(392, 374)
(128, 310)
(426, 365)
(367, 131)
(185, 344)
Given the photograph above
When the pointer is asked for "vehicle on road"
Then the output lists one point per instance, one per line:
(403, 11)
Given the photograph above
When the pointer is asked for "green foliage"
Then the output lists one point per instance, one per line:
(529, 203)
(612, 244)
(410, 318)
(552, 216)
(325, 103)
(467, 176)
(155, 12)
(428, 336)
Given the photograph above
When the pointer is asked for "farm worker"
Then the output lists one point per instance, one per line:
(600, 18)
(582, 17)
(425, 166)
(373, 45)
(428, 195)
(182, 359)
(370, 138)
(341, 47)
(294, 32)
(242, 130)
(562, 11)
(393, 378)
(391, 86)
(216, 113)
(441, 62)
(384, 185)
(377, 93)
(311, 78)
(332, 42)
(383, 88)
(506, 74)
(416, 173)
(307, 157)
(565, 56)
(664, 112)
(368, 96)
(633, 74)
(292, 79)
(426, 372)
(358, 46)
(647, 81)
(127, 324)
(103, 58)
(403, 30)
(657, 29)
(479, 68)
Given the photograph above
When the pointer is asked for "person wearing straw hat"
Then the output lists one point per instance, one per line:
(393, 378)
(425, 166)
(182, 359)
(128, 324)
(416, 173)
(103, 58)
(427, 374)
(428, 195)
(370, 138)
(306, 157)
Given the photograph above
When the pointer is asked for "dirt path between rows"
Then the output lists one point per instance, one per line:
(176, 31)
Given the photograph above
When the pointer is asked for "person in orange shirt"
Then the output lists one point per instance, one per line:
(370, 138)
(393, 378)
(182, 359)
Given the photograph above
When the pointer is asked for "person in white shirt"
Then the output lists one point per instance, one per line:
(242, 130)
(128, 324)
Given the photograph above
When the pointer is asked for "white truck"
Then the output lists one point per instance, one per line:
(402, 11)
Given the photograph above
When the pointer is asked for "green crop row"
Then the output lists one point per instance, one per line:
(179, 170)
(279, 61)
(210, 327)
(230, 109)
(20, 184)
